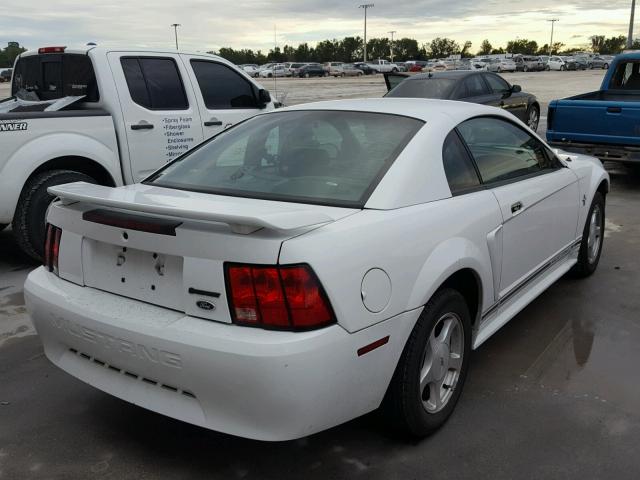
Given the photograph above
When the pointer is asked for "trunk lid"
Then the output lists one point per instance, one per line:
(168, 247)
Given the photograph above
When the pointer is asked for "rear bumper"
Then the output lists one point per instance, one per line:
(614, 153)
(248, 382)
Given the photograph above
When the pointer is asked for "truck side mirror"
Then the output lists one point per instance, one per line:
(264, 98)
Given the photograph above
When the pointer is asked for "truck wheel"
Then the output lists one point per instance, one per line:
(432, 369)
(592, 238)
(29, 218)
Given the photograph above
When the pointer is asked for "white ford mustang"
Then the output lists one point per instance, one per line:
(313, 264)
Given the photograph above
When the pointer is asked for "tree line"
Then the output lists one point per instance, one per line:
(9, 53)
(350, 49)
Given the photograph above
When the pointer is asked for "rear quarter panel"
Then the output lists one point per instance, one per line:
(417, 246)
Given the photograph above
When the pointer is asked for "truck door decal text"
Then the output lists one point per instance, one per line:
(177, 131)
(13, 126)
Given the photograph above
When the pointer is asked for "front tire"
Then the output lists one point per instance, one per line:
(562, 68)
(431, 372)
(592, 238)
(29, 218)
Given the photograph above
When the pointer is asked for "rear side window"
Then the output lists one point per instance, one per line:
(222, 87)
(458, 166)
(473, 86)
(503, 151)
(53, 76)
(496, 84)
(155, 83)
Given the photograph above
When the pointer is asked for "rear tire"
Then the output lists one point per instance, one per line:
(29, 218)
(419, 407)
(592, 238)
(562, 68)
(533, 117)
(525, 69)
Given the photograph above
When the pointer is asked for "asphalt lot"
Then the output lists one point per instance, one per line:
(554, 394)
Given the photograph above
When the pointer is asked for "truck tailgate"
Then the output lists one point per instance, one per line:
(594, 121)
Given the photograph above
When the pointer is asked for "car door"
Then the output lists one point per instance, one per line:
(161, 118)
(538, 196)
(225, 96)
(513, 102)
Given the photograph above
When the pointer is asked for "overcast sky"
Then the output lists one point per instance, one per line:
(211, 24)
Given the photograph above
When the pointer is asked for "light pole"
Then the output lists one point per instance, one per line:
(366, 6)
(630, 36)
(392, 32)
(175, 30)
(553, 21)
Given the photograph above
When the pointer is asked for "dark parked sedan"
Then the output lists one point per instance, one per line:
(312, 70)
(477, 87)
(366, 69)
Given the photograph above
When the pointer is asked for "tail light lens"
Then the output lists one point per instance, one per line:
(286, 297)
(52, 247)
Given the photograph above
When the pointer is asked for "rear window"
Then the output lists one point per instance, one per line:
(626, 76)
(423, 88)
(320, 157)
(53, 76)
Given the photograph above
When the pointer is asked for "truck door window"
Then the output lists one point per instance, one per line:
(155, 83)
(222, 87)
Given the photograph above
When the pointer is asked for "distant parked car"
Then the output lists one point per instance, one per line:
(599, 62)
(333, 68)
(402, 66)
(582, 62)
(528, 63)
(500, 65)
(557, 63)
(349, 70)
(293, 68)
(250, 69)
(467, 86)
(366, 69)
(312, 70)
(416, 65)
(278, 70)
(5, 75)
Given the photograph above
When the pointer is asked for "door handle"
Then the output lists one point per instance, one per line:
(214, 122)
(142, 125)
(614, 109)
(516, 207)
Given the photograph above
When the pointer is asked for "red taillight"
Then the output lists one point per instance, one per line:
(281, 297)
(52, 247)
(51, 50)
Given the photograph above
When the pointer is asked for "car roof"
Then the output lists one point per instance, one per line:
(452, 74)
(427, 110)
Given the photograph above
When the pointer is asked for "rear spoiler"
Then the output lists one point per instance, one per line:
(239, 216)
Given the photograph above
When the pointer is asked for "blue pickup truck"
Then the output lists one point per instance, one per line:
(604, 123)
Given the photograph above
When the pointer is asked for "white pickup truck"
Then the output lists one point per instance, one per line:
(383, 66)
(110, 117)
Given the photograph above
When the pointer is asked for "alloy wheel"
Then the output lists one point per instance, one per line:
(442, 362)
(595, 234)
(534, 118)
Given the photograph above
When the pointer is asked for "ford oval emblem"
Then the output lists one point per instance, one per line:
(204, 305)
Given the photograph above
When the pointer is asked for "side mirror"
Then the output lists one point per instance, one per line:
(516, 88)
(264, 98)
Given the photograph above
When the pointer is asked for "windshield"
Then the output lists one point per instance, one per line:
(322, 157)
(53, 76)
(423, 88)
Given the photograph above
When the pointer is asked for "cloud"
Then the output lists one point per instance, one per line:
(209, 25)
